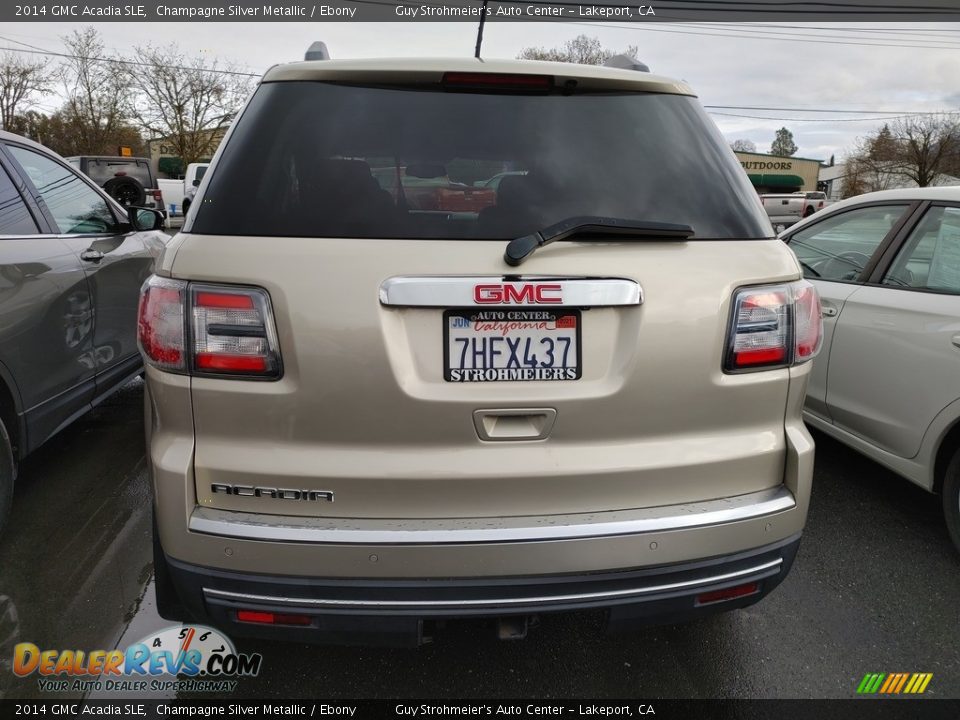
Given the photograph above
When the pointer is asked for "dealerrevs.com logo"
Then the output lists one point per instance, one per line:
(191, 658)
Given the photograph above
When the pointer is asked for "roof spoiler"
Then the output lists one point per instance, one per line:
(625, 62)
(317, 51)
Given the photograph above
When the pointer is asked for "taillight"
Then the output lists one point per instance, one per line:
(233, 332)
(160, 323)
(230, 331)
(502, 82)
(807, 322)
(774, 326)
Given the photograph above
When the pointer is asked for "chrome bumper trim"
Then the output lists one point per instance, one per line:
(491, 602)
(485, 291)
(391, 531)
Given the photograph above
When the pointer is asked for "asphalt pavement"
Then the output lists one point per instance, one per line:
(874, 589)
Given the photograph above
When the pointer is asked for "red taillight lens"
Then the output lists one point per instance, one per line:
(497, 81)
(774, 326)
(230, 333)
(233, 331)
(160, 323)
(808, 322)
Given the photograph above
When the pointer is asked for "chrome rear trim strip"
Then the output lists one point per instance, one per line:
(486, 291)
(493, 602)
(391, 531)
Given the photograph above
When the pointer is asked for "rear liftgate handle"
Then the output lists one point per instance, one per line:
(514, 423)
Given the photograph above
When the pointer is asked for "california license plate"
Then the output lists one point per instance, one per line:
(508, 345)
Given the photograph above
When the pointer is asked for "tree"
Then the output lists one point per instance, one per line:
(882, 147)
(927, 145)
(743, 146)
(915, 150)
(581, 49)
(191, 101)
(31, 124)
(97, 89)
(783, 144)
(21, 82)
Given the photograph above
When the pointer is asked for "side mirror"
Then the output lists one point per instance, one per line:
(145, 218)
(196, 182)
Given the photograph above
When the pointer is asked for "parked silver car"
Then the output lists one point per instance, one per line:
(887, 382)
(71, 264)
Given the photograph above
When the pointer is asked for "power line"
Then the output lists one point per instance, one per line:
(754, 36)
(942, 32)
(772, 33)
(118, 61)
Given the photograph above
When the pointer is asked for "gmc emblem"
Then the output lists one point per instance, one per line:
(528, 293)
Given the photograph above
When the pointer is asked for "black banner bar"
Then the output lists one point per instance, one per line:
(470, 11)
(854, 709)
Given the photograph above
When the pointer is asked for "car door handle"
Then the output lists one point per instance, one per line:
(91, 255)
(956, 340)
(827, 311)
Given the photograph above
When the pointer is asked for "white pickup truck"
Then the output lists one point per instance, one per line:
(178, 194)
(786, 209)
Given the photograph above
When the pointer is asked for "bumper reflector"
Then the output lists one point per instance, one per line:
(733, 593)
(269, 618)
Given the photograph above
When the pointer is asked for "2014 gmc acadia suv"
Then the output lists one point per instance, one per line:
(364, 417)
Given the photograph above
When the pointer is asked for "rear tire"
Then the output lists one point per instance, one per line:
(951, 499)
(7, 474)
(127, 191)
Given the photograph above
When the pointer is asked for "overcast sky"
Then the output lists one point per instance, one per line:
(906, 67)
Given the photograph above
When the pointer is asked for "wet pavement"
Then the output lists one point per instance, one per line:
(874, 589)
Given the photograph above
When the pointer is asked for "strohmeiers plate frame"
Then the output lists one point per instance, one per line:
(554, 312)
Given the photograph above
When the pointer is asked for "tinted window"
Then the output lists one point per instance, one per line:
(102, 170)
(15, 219)
(317, 159)
(840, 246)
(75, 206)
(930, 259)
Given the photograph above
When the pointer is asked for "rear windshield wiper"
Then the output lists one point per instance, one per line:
(519, 249)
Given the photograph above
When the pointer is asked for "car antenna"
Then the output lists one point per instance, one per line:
(483, 18)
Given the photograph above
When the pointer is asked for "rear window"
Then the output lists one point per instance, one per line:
(100, 170)
(316, 159)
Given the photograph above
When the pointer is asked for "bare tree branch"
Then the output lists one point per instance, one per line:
(188, 105)
(21, 81)
(582, 49)
(96, 92)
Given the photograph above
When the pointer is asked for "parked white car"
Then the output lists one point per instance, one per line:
(787, 209)
(178, 194)
(887, 382)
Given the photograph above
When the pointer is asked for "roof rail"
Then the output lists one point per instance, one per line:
(625, 62)
(317, 51)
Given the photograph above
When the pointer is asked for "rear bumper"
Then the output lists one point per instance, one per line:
(394, 611)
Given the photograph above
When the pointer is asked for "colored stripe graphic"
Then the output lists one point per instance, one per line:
(894, 683)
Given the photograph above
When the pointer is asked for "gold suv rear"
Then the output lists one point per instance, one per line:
(451, 338)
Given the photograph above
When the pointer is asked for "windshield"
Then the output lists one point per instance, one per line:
(101, 170)
(316, 159)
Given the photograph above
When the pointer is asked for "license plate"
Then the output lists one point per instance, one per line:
(510, 345)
